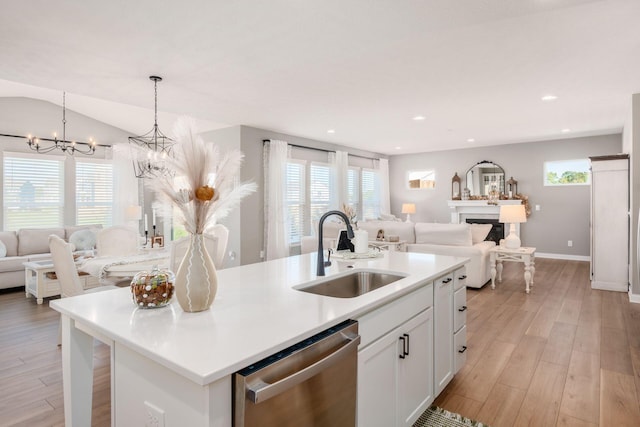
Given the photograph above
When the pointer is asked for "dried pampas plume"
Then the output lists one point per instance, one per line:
(204, 186)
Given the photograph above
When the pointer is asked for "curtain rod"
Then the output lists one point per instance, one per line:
(324, 150)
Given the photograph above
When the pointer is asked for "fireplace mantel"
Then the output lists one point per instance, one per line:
(463, 209)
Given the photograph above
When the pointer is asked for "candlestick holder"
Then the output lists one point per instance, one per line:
(146, 237)
(154, 230)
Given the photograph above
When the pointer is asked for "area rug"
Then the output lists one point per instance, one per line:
(438, 417)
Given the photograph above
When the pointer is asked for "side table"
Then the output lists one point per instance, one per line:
(525, 255)
(39, 280)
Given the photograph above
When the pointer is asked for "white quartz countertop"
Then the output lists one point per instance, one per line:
(255, 314)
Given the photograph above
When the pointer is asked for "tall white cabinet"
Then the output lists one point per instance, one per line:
(610, 222)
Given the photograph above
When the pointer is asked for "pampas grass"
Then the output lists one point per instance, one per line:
(199, 167)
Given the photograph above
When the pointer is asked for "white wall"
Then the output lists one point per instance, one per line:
(631, 139)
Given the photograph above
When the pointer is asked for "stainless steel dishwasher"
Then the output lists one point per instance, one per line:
(312, 383)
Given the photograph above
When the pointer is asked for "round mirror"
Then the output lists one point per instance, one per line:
(483, 177)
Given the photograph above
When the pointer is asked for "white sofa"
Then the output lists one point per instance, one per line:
(28, 244)
(464, 240)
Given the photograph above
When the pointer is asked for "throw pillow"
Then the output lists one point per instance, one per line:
(479, 232)
(3, 250)
(83, 240)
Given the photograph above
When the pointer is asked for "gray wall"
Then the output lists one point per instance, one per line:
(252, 212)
(229, 139)
(564, 211)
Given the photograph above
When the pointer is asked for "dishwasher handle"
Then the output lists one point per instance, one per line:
(263, 391)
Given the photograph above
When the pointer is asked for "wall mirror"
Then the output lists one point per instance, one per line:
(484, 176)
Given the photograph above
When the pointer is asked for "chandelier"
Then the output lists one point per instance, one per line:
(46, 145)
(150, 150)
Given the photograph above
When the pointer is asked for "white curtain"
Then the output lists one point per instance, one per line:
(385, 203)
(339, 191)
(125, 184)
(275, 211)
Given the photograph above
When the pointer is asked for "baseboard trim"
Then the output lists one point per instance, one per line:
(563, 256)
(634, 298)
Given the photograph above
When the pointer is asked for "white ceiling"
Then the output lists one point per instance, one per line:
(473, 68)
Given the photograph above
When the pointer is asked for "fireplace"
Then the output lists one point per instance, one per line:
(497, 229)
(479, 212)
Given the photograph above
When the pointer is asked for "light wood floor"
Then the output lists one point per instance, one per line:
(564, 355)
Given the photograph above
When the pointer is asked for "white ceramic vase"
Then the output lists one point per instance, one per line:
(196, 279)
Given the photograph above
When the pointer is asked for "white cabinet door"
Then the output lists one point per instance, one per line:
(443, 332)
(610, 223)
(459, 309)
(377, 382)
(395, 375)
(460, 348)
(415, 370)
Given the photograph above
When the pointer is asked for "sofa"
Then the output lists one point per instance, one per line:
(28, 244)
(463, 240)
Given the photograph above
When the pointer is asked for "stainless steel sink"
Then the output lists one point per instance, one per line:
(354, 284)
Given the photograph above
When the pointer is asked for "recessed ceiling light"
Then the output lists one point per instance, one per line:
(418, 118)
(549, 97)
(331, 131)
(398, 148)
(565, 130)
(471, 140)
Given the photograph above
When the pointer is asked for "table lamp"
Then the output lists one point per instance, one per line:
(512, 214)
(408, 208)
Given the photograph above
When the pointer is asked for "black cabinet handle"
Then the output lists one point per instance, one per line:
(464, 276)
(464, 348)
(447, 280)
(405, 345)
(407, 336)
(463, 308)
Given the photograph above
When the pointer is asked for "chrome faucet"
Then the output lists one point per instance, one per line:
(321, 263)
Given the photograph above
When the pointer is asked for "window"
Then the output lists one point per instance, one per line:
(94, 193)
(421, 179)
(308, 195)
(319, 190)
(33, 191)
(567, 172)
(370, 194)
(353, 189)
(296, 198)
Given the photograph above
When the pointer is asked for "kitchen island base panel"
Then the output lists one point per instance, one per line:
(77, 374)
(139, 380)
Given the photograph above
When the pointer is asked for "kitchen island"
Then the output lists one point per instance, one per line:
(175, 365)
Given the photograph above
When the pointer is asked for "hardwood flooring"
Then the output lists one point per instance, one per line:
(564, 355)
(31, 366)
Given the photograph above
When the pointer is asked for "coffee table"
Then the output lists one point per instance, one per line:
(525, 255)
(40, 280)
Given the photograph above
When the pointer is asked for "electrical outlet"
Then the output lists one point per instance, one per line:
(537, 207)
(570, 243)
(261, 254)
(154, 417)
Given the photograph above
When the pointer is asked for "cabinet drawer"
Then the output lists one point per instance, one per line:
(459, 308)
(460, 278)
(378, 322)
(460, 346)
